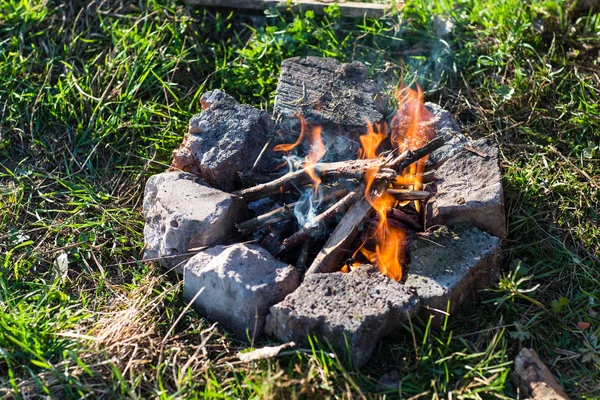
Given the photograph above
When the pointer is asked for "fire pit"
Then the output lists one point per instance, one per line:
(337, 218)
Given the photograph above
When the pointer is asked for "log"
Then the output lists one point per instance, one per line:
(347, 9)
(330, 257)
(306, 231)
(283, 213)
(536, 378)
(353, 169)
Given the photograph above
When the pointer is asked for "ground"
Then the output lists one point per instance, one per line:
(94, 96)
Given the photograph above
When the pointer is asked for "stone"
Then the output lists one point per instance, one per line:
(224, 139)
(240, 283)
(336, 96)
(469, 189)
(349, 311)
(389, 382)
(181, 213)
(445, 125)
(452, 266)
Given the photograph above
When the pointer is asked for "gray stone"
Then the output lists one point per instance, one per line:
(389, 382)
(338, 97)
(182, 213)
(445, 125)
(349, 311)
(469, 190)
(222, 140)
(452, 266)
(239, 283)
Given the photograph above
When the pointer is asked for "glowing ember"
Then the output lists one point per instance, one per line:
(410, 130)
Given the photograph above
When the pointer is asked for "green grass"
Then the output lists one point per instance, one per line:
(95, 95)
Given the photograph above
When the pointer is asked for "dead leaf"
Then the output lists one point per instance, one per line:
(60, 267)
(264, 353)
(583, 325)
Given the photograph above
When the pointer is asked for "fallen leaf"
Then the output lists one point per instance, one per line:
(264, 352)
(60, 267)
(583, 325)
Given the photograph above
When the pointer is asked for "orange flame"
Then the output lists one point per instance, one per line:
(410, 130)
(316, 152)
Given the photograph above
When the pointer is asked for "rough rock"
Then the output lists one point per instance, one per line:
(469, 189)
(445, 125)
(226, 137)
(336, 96)
(182, 213)
(452, 266)
(349, 311)
(240, 283)
(389, 382)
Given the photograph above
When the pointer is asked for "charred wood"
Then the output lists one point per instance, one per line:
(306, 231)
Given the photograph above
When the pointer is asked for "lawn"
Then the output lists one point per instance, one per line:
(94, 96)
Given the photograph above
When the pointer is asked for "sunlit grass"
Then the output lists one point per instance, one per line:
(95, 95)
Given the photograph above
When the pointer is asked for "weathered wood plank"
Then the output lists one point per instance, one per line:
(348, 9)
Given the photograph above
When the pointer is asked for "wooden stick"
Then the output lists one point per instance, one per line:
(353, 169)
(305, 232)
(408, 194)
(283, 213)
(330, 257)
(537, 379)
(261, 154)
(347, 9)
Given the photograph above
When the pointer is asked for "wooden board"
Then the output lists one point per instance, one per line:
(348, 9)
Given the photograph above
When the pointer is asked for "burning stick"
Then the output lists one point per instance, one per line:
(282, 213)
(330, 256)
(409, 194)
(299, 237)
(354, 169)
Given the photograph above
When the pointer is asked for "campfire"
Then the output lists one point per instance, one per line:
(385, 212)
(387, 178)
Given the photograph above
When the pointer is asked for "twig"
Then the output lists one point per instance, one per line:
(282, 213)
(305, 232)
(261, 154)
(353, 169)
(408, 194)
